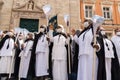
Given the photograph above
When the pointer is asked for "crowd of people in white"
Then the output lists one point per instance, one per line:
(79, 55)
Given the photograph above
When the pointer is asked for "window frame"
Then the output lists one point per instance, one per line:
(110, 12)
(93, 10)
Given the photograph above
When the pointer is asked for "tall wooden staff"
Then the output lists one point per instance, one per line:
(94, 54)
(66, 18)
(97, 22)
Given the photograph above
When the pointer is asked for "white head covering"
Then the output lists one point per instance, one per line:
(30, 33)
(10, 33)
(63, 30)
(42, 28)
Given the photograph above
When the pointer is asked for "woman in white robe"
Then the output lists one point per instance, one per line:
(59, 56)
(42, 56)
(25, 56)
(6, 53)
(85, 57)
(41, 51)
(88, 62)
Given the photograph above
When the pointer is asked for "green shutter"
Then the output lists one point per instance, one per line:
(29, 24)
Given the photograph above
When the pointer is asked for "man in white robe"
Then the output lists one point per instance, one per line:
(85, 56)
(108, 53)
(59, 56)
(105, 55)
(108, 64)
(41, 51)
(25, 56)
(6, 53)
(87, 64)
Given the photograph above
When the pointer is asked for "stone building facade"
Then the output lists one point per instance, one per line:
(13, 11)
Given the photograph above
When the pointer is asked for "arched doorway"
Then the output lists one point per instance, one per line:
(29, 24)
(27, 17)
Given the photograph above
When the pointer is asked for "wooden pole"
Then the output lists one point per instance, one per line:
(94, 55)
(69, 57)
(94, 61)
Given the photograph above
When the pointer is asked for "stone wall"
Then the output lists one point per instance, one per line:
(5, 14)
(59, 7)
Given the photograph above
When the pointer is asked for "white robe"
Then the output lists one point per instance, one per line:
(116, 40)
(25, 56)
(59, 58)
(42, 56)
(109, 54)
(6, 56)
(85, 57)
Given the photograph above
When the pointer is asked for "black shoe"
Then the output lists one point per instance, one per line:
(23, 79)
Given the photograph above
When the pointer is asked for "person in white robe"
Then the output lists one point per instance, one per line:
(6, 53)
(87, 64)
(59, 56)
(116, 40)
(85, 56)
(25, 56)
(107, 49)
(18, 49)
(109, 54)
(41, 51)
